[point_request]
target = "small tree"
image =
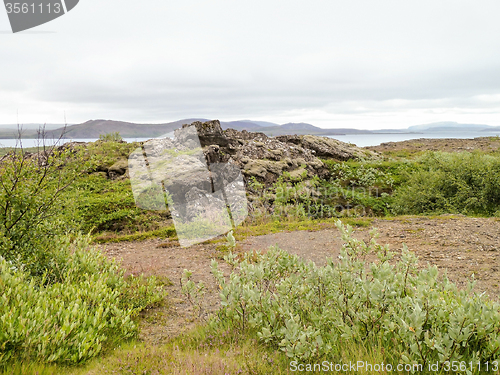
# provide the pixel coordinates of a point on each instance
(31, 210)
(111, 137)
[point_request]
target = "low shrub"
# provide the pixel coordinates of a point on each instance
(77, 308)
(312, 312)
(111, 137)
(465, 183)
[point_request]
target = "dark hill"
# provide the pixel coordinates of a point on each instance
(94, 128)
(300, 126)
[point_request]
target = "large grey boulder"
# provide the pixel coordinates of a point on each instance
(328, 148)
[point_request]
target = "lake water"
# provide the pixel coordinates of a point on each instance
(363, 140)
(360, 140)
(34, 142)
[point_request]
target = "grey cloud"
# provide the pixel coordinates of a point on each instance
(255, 59)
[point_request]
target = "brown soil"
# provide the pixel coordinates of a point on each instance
(460, 245)
(486, 144)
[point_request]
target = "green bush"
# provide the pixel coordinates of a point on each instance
(87, 306)
(356, 188)
(31, 208)
(60, 302)
(111, 137)
(363, 174)
(306, 311)
(463, 182)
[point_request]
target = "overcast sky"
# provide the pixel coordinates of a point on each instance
(359, 63)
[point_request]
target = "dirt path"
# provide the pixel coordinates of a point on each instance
(463, 246)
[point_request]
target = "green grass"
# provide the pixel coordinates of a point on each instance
(167, 232)
(98, 205)
(199, 351)
(402, 154)
(205, 351)
(275, 226)
(35, 368)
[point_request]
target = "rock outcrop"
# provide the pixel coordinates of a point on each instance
(259, 156)
(327, 148)
(266, 158)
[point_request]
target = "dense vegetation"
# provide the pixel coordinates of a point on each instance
(63, 302)
(431, 183)
(60, 300)
(71, 319)
(306, 311)
(465, 183)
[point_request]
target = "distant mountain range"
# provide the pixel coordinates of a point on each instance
(453, 127)
(94, 128)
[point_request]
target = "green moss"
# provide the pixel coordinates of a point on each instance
(298, 174)
(168, 232)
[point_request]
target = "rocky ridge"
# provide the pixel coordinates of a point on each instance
(262, 157)
(266, 158)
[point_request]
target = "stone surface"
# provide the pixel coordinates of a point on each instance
(266, 158)
(328, 148)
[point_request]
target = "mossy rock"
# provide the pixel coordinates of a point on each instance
(298, 174)
(260, 168)
(120, 167)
